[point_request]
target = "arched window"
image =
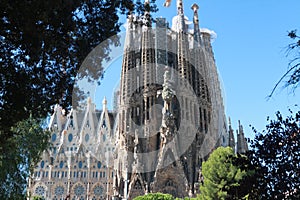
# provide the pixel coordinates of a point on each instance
(70, 137)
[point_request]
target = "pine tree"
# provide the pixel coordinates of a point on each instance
(222, 177)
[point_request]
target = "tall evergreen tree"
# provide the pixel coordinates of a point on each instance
(223, 176)
(155, 196)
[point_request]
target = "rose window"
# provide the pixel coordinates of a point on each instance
(40, 190)
(59, 190)
(98, 190)
(79, 190)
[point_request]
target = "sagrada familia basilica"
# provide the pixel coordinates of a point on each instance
(170, 116)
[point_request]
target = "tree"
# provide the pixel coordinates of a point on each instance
(42, 46)
(155, 196)
(25, 149)
(293, 72)
(277, 151)
(223, 175)
(38, 198)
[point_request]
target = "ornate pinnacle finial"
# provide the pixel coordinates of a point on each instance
(147, 17)
(89, 100)
(229, 121)
(195, 7)
(179, 7)
(241, 127)
(167, 3)
(104, 101)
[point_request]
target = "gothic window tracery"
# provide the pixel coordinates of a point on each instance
(169, 183)
(79, 190)
(80, 164)
(87, 137)
(70, 137)
(61, 164)
(59, 190)
(53, 138)
(98, 190)
(137, 185)
(99, 164)
(42, 164)
(40, 190)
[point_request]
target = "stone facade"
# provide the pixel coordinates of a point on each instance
(171, 113)
(78, 163)
(169, 116)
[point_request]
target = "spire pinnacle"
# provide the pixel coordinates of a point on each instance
(197, 34)
(104, 101)
(147, 17)
(195, 7)
(167, 3)
(179, 7)
(104, 104)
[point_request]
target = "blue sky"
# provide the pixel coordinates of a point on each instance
(250, 53)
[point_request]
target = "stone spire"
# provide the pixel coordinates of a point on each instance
(104, 103)
(180, 15)
(148, 63)
(241, 145)
(197, 34)
(231, 140)
(147, 17)
(183, 44)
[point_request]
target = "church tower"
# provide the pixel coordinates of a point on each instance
(170, 113)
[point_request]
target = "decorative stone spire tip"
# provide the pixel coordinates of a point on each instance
(195, 7)
(104, 101)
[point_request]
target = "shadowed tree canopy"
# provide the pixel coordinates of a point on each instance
(276, 153)
(25, 148)
(42, 46)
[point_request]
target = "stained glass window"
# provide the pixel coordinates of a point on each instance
(87, 137)
(40, 190)
(53, 137)
(61, 164)
(42, 164)
(98, 190)
(70, 137)
(59, 190)
(79, 190)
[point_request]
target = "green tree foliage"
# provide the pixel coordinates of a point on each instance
(155, 196)
(223, 175)
(42, 46)
(276, 153)
(24, 151)
(38, 198)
